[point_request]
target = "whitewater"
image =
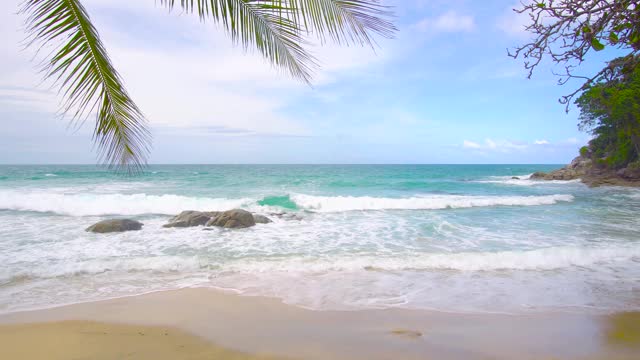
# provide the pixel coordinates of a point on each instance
(464, 238)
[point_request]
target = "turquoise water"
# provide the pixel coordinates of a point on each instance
(447, 237)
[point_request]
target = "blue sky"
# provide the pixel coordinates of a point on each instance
(443, 91)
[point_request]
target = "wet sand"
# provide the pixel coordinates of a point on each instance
(213, 324)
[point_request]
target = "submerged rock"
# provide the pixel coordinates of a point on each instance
(115, 225)
(191, 218)
(233, 219)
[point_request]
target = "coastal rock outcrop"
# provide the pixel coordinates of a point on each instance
(115, 225)
(191, 218)
(577, 169)
(629, 173)
(233, 219)
(593, 174)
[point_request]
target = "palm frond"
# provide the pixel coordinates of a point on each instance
(87, 81)
(263, 24)
(350, 22)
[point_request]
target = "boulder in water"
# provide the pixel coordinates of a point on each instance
(191, 218)
(115, 225)
(261, 219)
(233, 219)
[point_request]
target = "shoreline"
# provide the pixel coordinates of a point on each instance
(260, 325)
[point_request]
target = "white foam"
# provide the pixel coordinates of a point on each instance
(525, 180)
(50, 175)
(541, 259)
(105, 204)
(351, 203)
(86, 204)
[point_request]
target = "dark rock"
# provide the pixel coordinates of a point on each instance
(191, 218)
(233, 219)
(515, 178)
(261, 219)
(593, 173)
(538, 175)
(115, 225)
(629, 173)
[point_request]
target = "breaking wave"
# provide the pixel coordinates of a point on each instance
(433, 202)
(139, 204)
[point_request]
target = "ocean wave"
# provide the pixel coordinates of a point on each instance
(112, 204)
(433, 202)
(524, 180)
(160, 264)
(139, 204)
(554, 258)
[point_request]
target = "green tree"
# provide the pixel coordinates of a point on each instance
(610, 110)
(89, 84)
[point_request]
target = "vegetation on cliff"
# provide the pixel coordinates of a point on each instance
(610, 111)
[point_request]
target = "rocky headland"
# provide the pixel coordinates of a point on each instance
(593, 173)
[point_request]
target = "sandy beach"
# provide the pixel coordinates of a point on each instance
(205, 324)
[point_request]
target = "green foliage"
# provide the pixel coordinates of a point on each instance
(610, 110)
(584, 151)
(634, 165)
(88, 81)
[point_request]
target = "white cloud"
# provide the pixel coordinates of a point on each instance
(541, 142)
(450, 21)
(504, 146)
(514, 24)
(470, 145)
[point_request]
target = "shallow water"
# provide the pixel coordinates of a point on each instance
(446, 237)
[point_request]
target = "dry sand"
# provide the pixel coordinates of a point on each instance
(239, 325)
(93, 340)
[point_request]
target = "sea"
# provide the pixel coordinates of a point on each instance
(453, 238)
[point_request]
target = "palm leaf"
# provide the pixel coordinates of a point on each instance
(276, 27)
(88, 82)
(263, 24)
(350, 22)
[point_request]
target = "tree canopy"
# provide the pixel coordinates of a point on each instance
(90, 85)
(610, 110)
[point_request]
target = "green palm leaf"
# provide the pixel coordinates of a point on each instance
(88, 81)
(277, 27)
(263, 24)
(350, 22)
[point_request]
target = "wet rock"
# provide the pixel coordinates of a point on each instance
(115, 225)
(191, 218)
(261, 219)
(233, 219)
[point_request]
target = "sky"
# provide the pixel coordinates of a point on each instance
(443, 90)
